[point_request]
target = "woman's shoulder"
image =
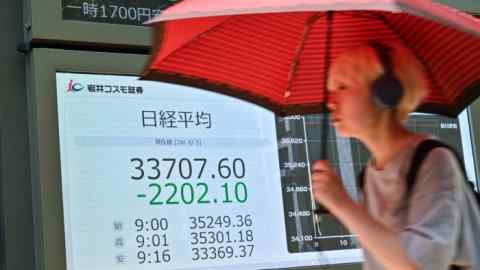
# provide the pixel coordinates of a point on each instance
(440, 155)
(440, 170)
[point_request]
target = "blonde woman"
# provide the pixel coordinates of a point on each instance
(425, 230)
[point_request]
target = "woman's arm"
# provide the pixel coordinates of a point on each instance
(380, 241)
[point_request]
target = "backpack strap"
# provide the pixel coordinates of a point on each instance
(419, 156)
(361, 179)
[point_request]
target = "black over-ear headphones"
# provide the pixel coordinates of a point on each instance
(387, 90)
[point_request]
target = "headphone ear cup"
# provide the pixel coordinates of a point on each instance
(387, 92)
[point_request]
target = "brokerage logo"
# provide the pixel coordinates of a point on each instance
(108, 89)
(74, 87)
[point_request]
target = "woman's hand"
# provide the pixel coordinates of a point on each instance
(328, 188)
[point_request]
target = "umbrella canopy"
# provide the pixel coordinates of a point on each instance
(276, 53)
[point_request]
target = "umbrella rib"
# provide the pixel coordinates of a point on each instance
(365, 15)
(326, 116)
(294, 66)
(428, 72)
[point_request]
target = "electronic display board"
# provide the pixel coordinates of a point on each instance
(106, 23)
(131, 174)
(300, 145)
(161, 175)
(113, 11)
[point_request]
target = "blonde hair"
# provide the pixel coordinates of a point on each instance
(362, 63)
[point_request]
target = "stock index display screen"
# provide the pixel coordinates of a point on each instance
(300, 145)
(161, 176)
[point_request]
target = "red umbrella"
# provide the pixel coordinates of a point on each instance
(276, 53)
